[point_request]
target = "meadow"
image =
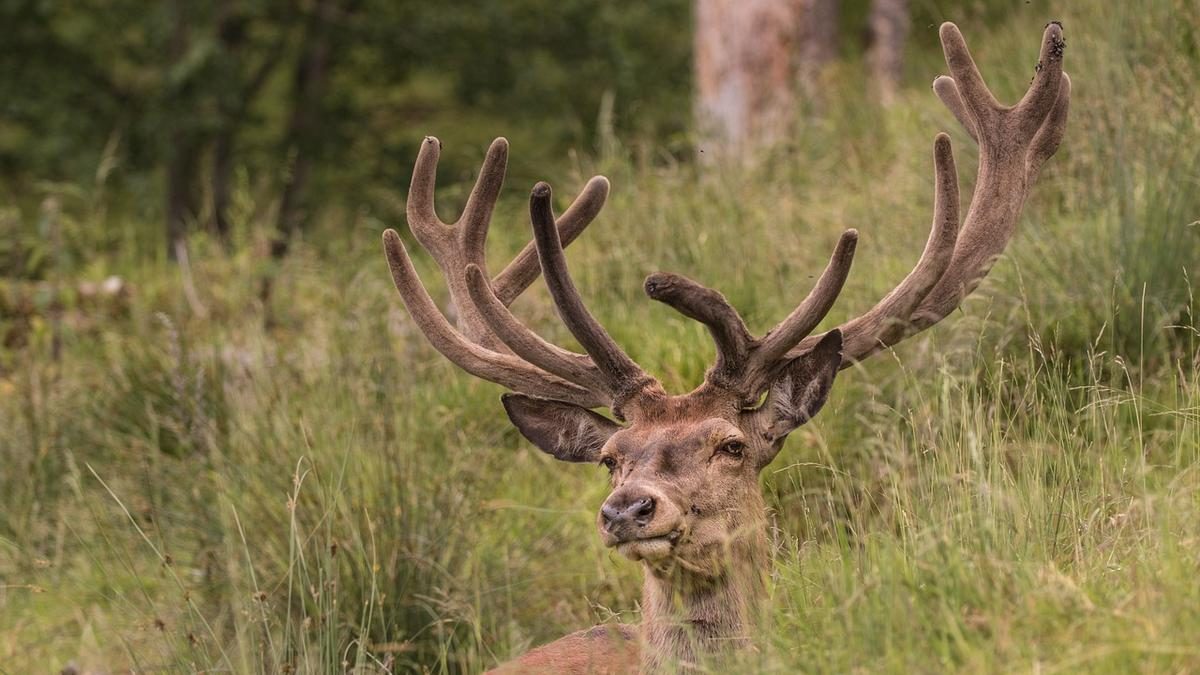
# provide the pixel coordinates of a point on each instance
(198, 476)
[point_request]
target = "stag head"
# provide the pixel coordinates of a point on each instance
(684, 468)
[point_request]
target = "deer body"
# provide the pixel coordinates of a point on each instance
(602, 650)
(686, 502)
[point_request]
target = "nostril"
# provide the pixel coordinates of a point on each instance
(616, 517)
(609, 514)
(643, 510)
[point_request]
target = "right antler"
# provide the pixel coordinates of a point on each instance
(607, 369)
(459, 247)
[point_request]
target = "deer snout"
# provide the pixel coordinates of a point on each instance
(639, 512)
(636, 514)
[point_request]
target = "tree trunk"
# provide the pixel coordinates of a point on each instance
(750, 56)
(301, 139)
(222, 184)
(234, 103)
(181, 207)
(888, 27)
(819, 44)
(182, 160)
(231, 35)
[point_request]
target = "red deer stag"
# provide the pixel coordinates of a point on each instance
(685, 498)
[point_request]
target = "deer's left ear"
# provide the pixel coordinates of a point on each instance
(800, 390)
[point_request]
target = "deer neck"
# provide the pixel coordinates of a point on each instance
(689, 616)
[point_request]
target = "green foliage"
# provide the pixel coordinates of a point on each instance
(170, 79)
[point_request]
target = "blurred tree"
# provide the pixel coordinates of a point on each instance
(56, 88)
(170, 80)
(181, 94)
(556, 60)
(245, 62)
(310, 80)
(818, 42)
(183, 129)
(887, 30)
(753, 58)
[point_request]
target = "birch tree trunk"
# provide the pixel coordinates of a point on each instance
(888, 26)
(752, 60)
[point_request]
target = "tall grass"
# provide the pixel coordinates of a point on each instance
(306, 486)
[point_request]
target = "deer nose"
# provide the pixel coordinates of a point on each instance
(623, 513)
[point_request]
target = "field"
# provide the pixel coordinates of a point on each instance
(198, 476)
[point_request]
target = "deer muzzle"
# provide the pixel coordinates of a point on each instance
(640, 522)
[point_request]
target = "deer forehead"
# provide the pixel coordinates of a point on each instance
(650, 439)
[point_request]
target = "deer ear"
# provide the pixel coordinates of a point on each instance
(566, 431)
(801, 389)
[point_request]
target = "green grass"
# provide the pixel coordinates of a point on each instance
(216, 483)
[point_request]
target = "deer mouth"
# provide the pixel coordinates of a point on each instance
(650, 548)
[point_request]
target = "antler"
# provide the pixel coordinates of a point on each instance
(607, 369)
(745, 364)
(1014, 142)
(460, 248)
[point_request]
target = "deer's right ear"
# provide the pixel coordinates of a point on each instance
(566, 431)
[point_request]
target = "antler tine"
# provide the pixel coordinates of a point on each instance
(1012, 149)
(1038, 102)
(472, 225)
(1041, 101)
(887, 323)
(745, 364)
(977, 99)
(787, 333)
(477, 213)
(696, 301)
(625, 378)
(478, 345)
(464, 243)
(503, 369)
(525, 268)
(455, 246)
(1050, 135)
(527, 344)
(947, 91)
(422, 217)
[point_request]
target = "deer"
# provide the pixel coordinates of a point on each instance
(686, 502)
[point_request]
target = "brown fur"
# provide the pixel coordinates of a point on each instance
(699, 596)
(601, 650)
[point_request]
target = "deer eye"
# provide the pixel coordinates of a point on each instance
(609, 463)
(733, 448)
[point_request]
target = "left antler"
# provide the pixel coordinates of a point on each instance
(1014, 142)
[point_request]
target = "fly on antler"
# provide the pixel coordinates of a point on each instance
(685, 468)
